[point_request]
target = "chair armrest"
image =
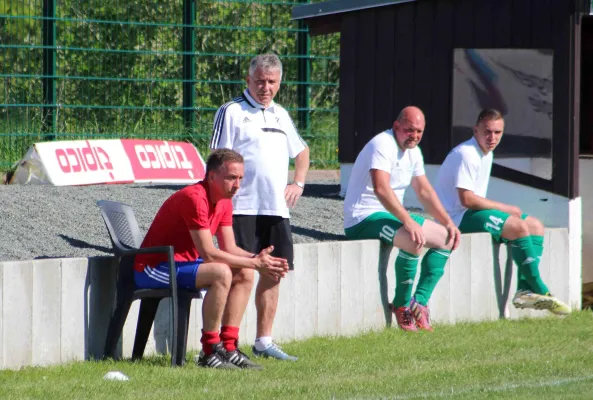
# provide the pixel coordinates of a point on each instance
(146, 250)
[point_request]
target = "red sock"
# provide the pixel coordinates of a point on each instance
(230, 337)
(208, 339)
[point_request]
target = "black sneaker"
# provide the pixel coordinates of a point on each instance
(241, 360)
(218, 358)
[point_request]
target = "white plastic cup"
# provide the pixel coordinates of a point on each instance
(115, 376)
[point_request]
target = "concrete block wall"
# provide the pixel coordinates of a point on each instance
(57, 310)
(50, 312)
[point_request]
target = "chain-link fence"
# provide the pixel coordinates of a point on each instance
(74, 69)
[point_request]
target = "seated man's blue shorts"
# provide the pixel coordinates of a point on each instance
(158, 277)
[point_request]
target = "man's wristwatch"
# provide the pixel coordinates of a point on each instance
(299, 184)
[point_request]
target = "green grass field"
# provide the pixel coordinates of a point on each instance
(527, 359)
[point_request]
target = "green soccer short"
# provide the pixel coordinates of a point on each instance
(380, 225)
(490, 221)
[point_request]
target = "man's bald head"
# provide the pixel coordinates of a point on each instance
(412, 114)
(409, 127)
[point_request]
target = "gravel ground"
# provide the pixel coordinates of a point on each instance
(48, 221)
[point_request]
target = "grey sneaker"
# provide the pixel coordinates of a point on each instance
(218, 358)
(273, 351)
(241, 360)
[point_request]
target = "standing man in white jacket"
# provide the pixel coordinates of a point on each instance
(264, 134)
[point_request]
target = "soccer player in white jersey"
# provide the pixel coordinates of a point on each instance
(462, 183)
(373, 209)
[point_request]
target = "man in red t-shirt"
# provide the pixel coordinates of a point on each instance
(187, 221)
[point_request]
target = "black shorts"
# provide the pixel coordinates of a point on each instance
(256, 232)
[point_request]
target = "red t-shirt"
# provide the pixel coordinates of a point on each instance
(188, 209)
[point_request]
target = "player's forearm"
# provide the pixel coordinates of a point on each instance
(301, 165)
(434, 207)
(237, 251)
(475, 202)
(232, 260)
(392, 204)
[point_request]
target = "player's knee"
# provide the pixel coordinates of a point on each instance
(535, 226)
(267, 283)
(223, 275)
(409, 248)
(517, 227)
(445, 242)
(244, 277)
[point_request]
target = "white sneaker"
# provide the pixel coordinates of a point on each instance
(528, 299)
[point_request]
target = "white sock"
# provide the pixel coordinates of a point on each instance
(262, 343)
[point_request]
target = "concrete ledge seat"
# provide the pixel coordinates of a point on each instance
(57, 310)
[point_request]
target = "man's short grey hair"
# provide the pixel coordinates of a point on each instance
(265, 62)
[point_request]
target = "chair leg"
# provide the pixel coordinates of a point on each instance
(182, 328)
(116, 326)
(148, 308)
(175, 334)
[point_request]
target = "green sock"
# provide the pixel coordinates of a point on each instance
(525, 257)
(538, 247)
(522, 283)
(432, 269)
(406, 265)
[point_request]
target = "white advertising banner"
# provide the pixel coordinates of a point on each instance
(88, 162)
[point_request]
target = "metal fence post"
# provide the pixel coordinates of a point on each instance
(49, 69)
(304, 73)
(189, 16)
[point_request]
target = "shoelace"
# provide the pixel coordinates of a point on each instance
(407, 317)
(221, 353)
(276, 347)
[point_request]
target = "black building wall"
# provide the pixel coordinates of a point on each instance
(400, 55)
